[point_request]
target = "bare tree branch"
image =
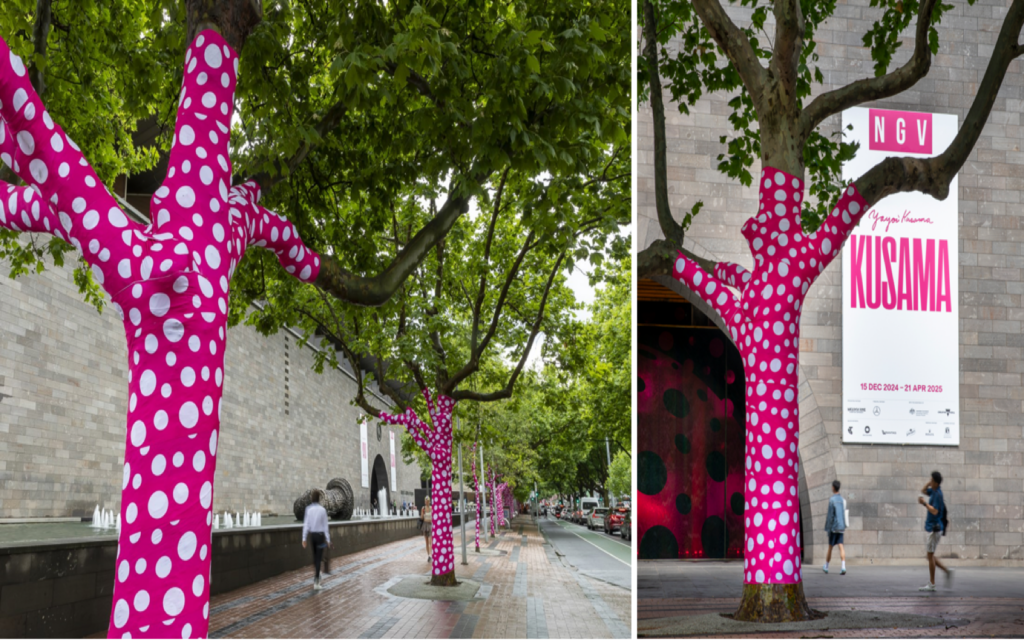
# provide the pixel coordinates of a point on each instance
(789, 44)
(506, 392)
(933, 175)
(672, 230)
(659, 259)
(487, 261)
(885, 86)
(40, 33)
(417, 82)
(473, 364)
(284, 168)
(376, 290)
(735, 44)
(232, 19)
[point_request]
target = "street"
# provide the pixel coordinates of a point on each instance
(593, 553)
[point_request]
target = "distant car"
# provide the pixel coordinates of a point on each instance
(613, 519)
(626, 528)
(595, 518)
(577, 516)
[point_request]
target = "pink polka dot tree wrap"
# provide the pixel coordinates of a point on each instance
(436, 442)
(764, 322)
(169, 281)
(476, 489)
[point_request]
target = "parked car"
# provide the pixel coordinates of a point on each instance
(626, 528)
(613, 519)
(595, 517)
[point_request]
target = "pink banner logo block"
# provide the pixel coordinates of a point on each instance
(900, 131)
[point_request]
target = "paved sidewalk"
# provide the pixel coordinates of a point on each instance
(980, 602)
(526, 592)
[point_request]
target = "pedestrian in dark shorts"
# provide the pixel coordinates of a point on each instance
(835, 525)
(934, 524)
(314, 527)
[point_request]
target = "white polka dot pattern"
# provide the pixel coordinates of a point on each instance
(765, 325)
(169, 281)
(437, 443)
(476, 488)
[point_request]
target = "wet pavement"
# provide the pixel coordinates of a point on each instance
(526, 591)
(979, 602)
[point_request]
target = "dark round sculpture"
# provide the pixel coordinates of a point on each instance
(337, 500)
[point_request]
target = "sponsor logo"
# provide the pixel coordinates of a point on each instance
(929, 433)
(948, 434)
(877, 411)
(919, 412)
(849, 430)
(910, 432)
(888, 433)
(947, 412)
(856, 410)
(867, 429)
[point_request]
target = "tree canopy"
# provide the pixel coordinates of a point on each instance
(347, 112)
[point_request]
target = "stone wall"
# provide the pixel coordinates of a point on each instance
(984, 484)
(63, 387)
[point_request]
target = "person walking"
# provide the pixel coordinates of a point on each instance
(835, 525)
(425, 523)
(935, 525)
(318, 534)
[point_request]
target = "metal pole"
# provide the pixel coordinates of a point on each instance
(462, 506)
(483, 491)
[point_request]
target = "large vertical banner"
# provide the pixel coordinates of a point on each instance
(394, 467)
(364, 453)
(901, 343)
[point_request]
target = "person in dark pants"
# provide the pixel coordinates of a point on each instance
(835, 525)
(315, 529)
(935, 525)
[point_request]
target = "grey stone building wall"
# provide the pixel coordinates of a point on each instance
(984, 476)
(63, 388)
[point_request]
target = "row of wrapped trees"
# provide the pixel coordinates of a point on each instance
(370, 132)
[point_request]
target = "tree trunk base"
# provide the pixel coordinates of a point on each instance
(775, 603)
(444, 580)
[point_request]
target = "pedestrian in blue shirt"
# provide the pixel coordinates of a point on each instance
(835, 525)
(934, 524)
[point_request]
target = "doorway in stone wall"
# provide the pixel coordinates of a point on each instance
(379, 487)
(690, 431)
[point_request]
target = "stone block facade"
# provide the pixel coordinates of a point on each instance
(984, 475)
(63, 401)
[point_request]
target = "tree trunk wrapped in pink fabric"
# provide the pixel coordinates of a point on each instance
(169, 282)
(476, 488)
(764, 322)
(499, 504)
(436, 442)
(494, 500)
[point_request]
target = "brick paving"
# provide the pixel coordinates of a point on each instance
(966, 617)
(526, 592)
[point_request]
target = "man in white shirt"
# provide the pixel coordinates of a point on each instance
(314, 526)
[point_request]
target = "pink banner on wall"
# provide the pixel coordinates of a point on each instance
(899, 131)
